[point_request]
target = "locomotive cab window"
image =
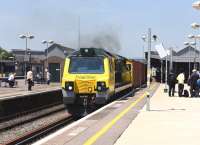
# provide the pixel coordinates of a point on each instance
(128, 66)
(86, 65)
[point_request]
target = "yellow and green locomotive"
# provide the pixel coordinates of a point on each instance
(92, 76)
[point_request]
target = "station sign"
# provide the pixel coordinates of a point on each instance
(162, 52)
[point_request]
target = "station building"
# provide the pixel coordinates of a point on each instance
(185, 60)
(52, 58)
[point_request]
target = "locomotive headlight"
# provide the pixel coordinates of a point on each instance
(101, 86)
(69, 86)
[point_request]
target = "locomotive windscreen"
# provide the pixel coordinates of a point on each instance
(83, 65)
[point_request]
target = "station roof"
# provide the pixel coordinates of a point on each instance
(41, 55)
(59, 46)
(22, 52)
(187, 54)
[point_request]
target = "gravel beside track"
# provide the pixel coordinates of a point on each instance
(24, 118)
(27, 128)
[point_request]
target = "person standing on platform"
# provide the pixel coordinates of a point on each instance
(193, 83)
(11, 80)
(181, 79)
(30, 79)
(171, 83)
(48, 77)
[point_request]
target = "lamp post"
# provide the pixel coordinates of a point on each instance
(26, 37)
(47, 45)
(189, 44)
(29, 53)
(13, 61)
(195, 47)
(166, 69)
(149, 40)
(196, 5)
(198, 37)
(171, 59)
(2, 54)
(16, 66)
(195, 55)
(195, 25)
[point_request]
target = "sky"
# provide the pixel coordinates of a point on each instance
(124, 21)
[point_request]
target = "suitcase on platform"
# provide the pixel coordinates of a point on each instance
(185, 93)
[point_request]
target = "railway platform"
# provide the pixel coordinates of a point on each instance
(21, 90)
(170, 121)
(17, 100)
(103, 126)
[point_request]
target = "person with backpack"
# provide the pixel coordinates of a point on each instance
(198, 84)
(192, 82)
(171, 83)
(181, 79)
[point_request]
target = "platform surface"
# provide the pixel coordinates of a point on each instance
(171, 121)
(104, 126)
(21, 89)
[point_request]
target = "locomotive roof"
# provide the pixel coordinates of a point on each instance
(98, 52)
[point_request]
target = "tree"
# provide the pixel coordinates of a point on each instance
(5, 54)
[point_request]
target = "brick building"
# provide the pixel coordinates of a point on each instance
(52, 58)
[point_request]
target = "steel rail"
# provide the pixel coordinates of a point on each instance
(40, 132)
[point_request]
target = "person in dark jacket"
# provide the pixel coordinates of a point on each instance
(193, 83)
(171, 83)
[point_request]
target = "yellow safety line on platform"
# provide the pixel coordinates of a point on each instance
(93, 139)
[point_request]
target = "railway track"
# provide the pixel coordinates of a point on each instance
(24, 118)
(26, 112)
(39, 132)
(26, 128)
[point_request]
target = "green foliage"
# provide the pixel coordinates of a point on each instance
(5, 54)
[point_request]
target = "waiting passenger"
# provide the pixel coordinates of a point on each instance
(30, 80)
(181, 79)
(48, 77)
(192, 82)
(11, 80)
(171, 83)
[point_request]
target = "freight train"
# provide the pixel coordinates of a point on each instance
(92, 76)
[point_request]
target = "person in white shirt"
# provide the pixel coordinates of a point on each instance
(30, 79)
(11, 80)
(48, 77)
(181, 79)
(11, 77)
